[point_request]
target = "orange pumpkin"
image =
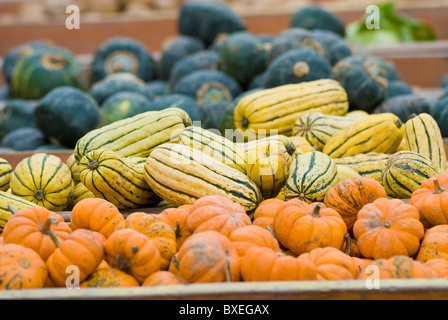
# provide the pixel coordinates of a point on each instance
(97, 215)
(265, 264)
(176, 218)
(331, 264)
(439, 267)
(397, 267)
(162, 278)
(266, 211)
(31, 228)
(21, 268)
(132, 252)
(154, 227)
(207, 256)
(107, 277)
(247, 237)
(216, 213)
(361, 264)
(83, 249)
(431, 200)
(302, 227)
(349, 196)
(434, 244)
(386, 228)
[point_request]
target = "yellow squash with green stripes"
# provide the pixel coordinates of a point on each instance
(180, 174)
(216, 146)
(405, 172)
(135, 136)
(18, 203)
(379, 133)
(345, 173)
(268, 168)
(5, 174)
(73, 166)
(116, 179)
(310, 177)
(422, 135)
(317, 128)
(81, 192)
(44, 180)
(368, 165)
(274, 111)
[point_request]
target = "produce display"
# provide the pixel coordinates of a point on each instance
(286, 158)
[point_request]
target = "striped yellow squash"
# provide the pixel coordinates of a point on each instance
(44, 180)
(116, 179)
(423, 136)
(73, 166)
(5, 174)
(310, 176)
(317, 128)
(268, 168)
(345, 173)
(274, 111)
(81, 192)
(18, 203)
(216, 146)
(180, 174)
(368, 165)
(405, 172)
(135, 136)
(379, 133)
(357, 114)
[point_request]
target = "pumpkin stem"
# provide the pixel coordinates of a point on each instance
(348, 242)
(412, 116)
(244, 123)
(228, 271)
(45, 228)
(272, 232)
(291, 148)
(315, 213)
(177, 230)
(39, 194)
(93, 164)
(437, 188)
(398, 123)
(12, 209)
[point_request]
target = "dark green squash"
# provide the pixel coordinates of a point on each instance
(158, 88)
(24, 139)
(397, 88)
(19, 52)
(313, 17)
(404, 106)
(258, 81)
(207, 19)
(440, 113)
(118, 82)
(123, 54)
(296, 38)
(214, 113)
(66, 114)
(445, 81)
(184, 102)
(243, 56)
(16, 114)
(338, 47)
(206, 59)
(295, 66)
(37, 74)
(49, 147)
(5, 93)
(208, 86)
(123, 105)
(176, 49)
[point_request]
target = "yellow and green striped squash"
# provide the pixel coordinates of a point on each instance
(368, 165)
(5, 174)
(18, 203)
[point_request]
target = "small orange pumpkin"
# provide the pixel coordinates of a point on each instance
(207, 256)
(95, 214)
(302, 227)
(21, 268)
(107, 277)
(431, 200)
(154, 227)
(331, 264)
(266, 211)
(31, 228)
(176, 218)
(247, 237)
(434, 244)
(265, 264)
(386, 228)
(83, 249)
(132, 252)
(397, 267)
(162, 278)
(439, 267)
(349, 196)
(216, 213)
